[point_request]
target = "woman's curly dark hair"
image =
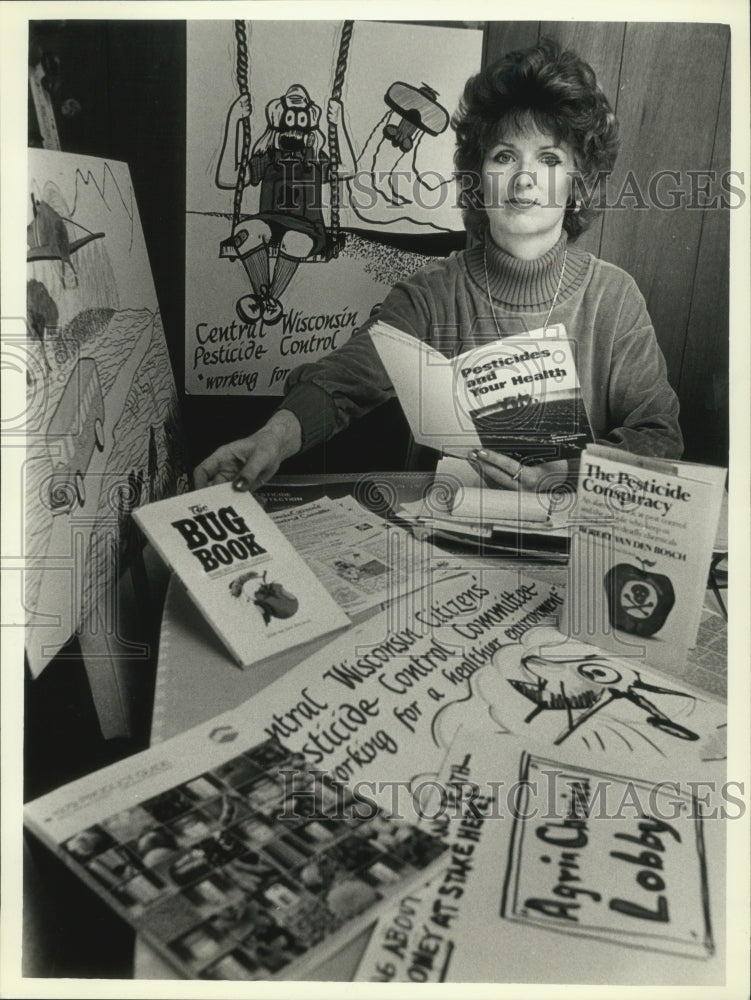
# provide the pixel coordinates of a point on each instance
(559, 92)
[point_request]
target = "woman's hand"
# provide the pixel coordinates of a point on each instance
(501, 472)
(253, 460)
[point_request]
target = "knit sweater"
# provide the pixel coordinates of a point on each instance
(621, 369)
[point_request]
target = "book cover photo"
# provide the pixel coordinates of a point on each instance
(643, 536)
(519, 396)
(252, 586)
(253, 866)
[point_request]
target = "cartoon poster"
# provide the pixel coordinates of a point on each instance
(103, 432)
(310, 144)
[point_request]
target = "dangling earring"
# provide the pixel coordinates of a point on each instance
(573, 205)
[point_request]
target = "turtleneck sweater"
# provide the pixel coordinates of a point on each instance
(621, 369)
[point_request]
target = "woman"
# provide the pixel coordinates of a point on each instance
(534, 135)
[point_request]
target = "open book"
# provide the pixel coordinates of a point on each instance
(519, 396)
(458, 504)
(251, 585)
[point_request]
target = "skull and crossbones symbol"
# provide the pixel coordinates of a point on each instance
(638, 599)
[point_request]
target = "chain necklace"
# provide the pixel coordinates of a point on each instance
(490, 297)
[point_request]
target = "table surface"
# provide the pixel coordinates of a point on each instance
(190, 653)
(197, 679)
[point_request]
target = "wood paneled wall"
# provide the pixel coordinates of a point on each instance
(669, 87)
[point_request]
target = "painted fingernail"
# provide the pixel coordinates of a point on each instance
(240, 483)
(481, 454)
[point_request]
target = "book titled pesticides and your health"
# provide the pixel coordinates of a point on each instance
(519, 396)
(254, 589)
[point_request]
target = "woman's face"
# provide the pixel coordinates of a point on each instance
(526, 186)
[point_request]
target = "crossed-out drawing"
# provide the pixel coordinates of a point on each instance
(587, 684)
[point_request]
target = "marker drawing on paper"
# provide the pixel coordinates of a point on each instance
(108, 432)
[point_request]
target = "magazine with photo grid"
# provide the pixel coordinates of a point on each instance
(255, 868)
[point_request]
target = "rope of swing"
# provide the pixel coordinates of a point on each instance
(334, 151)
(241, 36)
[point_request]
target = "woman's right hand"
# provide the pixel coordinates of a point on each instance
(251, 461)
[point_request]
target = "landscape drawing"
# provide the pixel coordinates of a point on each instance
(108, 436)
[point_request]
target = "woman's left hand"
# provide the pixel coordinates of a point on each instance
(501, 472)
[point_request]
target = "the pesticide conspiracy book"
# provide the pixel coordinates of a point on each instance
(640, 553)
(519, 396)
(254, 589)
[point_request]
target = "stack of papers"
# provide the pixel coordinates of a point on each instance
(458, 503)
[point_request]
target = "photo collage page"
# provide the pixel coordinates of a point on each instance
(241, 871)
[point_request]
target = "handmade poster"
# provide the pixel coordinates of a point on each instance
(414, 941)
(303, 138)
(360, 711)
(553, 692)
(560, 872)
(103, 433)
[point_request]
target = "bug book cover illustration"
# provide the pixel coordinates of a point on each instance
(239, 569)
(643, 536)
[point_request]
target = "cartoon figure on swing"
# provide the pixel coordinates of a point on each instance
(291, 166)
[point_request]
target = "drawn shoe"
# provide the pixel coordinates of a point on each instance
(271, 308)
(228, 249)
(249, 308)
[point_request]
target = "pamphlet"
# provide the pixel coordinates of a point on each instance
(361, 559)
(519, 396)
(256, 591)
